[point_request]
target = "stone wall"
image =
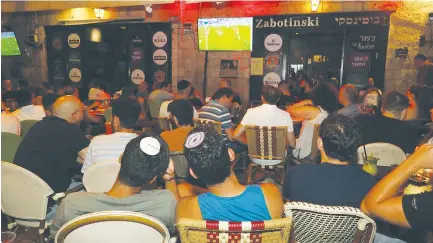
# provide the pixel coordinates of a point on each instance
(408, 23)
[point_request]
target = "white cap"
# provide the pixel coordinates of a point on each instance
(150, 146)
(194, 140)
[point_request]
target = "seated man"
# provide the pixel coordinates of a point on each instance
(181, 113)
(183, 93)
(227, 199)
(286, 97)
(411, 211)
(334, 182)
(109, 147)
(158, 96)
(218, 110)
(10, 124)
(26, 110)
(390, 127)
(226, 83)
(347, 97)
(48, 101)
(268, 114)
(52, 146)
(145, 158)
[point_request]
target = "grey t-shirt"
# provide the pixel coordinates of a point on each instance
(351, 110)
(160, 204)
(155, 101)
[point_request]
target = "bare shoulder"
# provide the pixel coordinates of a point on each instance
(273, 198)
(188, 207)
(269, 188)
(271, 192)
(187, 201)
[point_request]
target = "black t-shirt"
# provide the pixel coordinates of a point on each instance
(285, 100)
(328, 184)
(50, 149)
(387, 130)
(237, 98)
(418, 210)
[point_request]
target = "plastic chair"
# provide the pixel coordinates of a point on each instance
(267, 149)
(24, 197)
(208, 123)
(388, 154)
(165, 123)
(100, 177)
(9, 147)
(113, 227)
(323, 224)
(204, 231)
(26, 125)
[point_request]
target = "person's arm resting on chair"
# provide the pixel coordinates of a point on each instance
(382, 202)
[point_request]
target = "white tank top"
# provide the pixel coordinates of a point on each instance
(305, 140)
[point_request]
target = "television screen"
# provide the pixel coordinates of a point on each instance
(225, 34)
(9, 44)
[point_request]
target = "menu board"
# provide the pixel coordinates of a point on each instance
(358, 54)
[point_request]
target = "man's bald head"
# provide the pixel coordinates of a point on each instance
(69, 108)
(348, 94)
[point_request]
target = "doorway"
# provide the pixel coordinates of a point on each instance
(314, 55)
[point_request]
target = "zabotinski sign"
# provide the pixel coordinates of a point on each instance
(287, 22)
(322, 21)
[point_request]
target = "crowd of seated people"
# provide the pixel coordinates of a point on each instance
(322, 102)
(56, 149)
(268, 114)
(125, 113)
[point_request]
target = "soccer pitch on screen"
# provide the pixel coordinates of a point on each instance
(225, 34)
(9, 44)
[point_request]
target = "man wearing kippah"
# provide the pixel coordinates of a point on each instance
(144, 160)
(210, 159)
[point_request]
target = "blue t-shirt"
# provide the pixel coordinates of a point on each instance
(248, 206)
(328, 184)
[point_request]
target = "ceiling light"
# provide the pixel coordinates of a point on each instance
(99, 13)
(148, 8)
(315, 5)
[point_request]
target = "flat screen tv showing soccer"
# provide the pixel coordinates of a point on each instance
(10, 45)
(225, 34)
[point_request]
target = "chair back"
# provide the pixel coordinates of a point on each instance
(26, 125)
(266, 144)
(9, 147)
(388, 154)
(113, 227)
(181, 167)
(317, 223)
(100, 177)
(165, 123)
(204, 231)
(208, 123)
(24, 195)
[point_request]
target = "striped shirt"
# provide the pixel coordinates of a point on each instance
(106, 147)
(215, 112)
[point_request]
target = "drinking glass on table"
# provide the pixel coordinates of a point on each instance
(8, 237)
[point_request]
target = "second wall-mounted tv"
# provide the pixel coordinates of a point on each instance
(9, 44)
(225, 34)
